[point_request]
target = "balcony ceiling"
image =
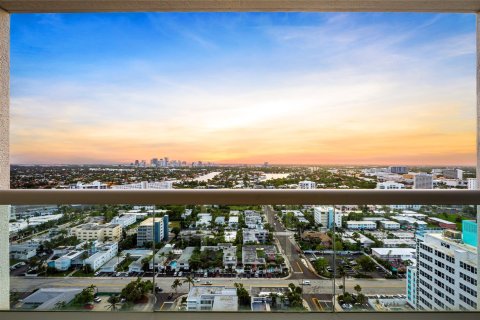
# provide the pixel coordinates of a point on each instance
(57, 6)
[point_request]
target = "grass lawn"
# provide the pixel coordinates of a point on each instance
(173, 224)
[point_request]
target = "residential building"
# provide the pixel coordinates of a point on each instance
(443, 223)
(390, 185)
(124, 220)
(68, 260)
(160, 258)
(95, 185)
(453, 173)
(255, 236)
(104, 252)
(327, 216)
(423, 181)
(145, 185)
(204, 220)
(389, 225)
(253, 219)
(361, 225)
(306, 185)
(254, 255)
(95, 231)
(446, 270)
(229, 253)
(472, 183)
(233, 222)
(23, 251)
(153, 230)
(410, 222)
(183, 261)
(212, 298)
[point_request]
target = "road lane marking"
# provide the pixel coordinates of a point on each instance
(298, 264)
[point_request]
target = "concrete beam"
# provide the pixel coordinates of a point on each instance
(4, 155)
(43, 6)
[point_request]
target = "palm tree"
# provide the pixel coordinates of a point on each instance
(113, 302)
(177, 283)
(93, 288)
(190, 281)
(84, 257)
(357, 288)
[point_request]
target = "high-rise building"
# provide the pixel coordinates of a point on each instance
(452, 173)
(398, 169)
(153, 230)
(423, 181)
(445, 275)
(326, 216)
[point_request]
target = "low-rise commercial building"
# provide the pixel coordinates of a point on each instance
(394, 254)
(389, 225)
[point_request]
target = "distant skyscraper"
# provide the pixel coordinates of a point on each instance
(423, 181)
(398, 169)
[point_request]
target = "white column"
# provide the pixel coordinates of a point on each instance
(4, 155)
(478, 159)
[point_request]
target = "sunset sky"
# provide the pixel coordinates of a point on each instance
(292, 88)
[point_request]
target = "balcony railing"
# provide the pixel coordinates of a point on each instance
(237, 197)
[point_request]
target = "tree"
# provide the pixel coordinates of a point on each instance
(357, 288)
(243, 296)
(321, 265)
(366, 263)
(176, 231)
(84, 257)
(190, 281)
(93, 288)
(113, 302)
(177, 283)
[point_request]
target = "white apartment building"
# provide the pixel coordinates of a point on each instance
(95, 231)
(472, 183)
(105, 252)
(390, 185)
(389, 225)
(327, 216)
(212, 298)
(445, 277)
(124, 220)
(96, 185)
(361, 225)
(423, 181)
(307, 185)
(145, 185)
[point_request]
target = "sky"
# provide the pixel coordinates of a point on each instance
(287, 88)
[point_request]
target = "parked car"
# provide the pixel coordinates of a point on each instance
(97, 300)
(306, 282)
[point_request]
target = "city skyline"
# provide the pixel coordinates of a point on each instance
(228, 88)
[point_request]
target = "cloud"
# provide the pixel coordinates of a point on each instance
(332, 90)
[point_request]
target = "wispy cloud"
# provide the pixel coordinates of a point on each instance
(289, 88)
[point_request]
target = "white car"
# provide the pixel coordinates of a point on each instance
(306, 282)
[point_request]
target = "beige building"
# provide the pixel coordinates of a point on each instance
(94, 231)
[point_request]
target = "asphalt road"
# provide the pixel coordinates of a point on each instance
(289, 248)
(318, 286)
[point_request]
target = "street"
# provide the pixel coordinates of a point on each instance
(318, 286)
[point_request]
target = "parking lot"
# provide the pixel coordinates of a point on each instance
(349, 265)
